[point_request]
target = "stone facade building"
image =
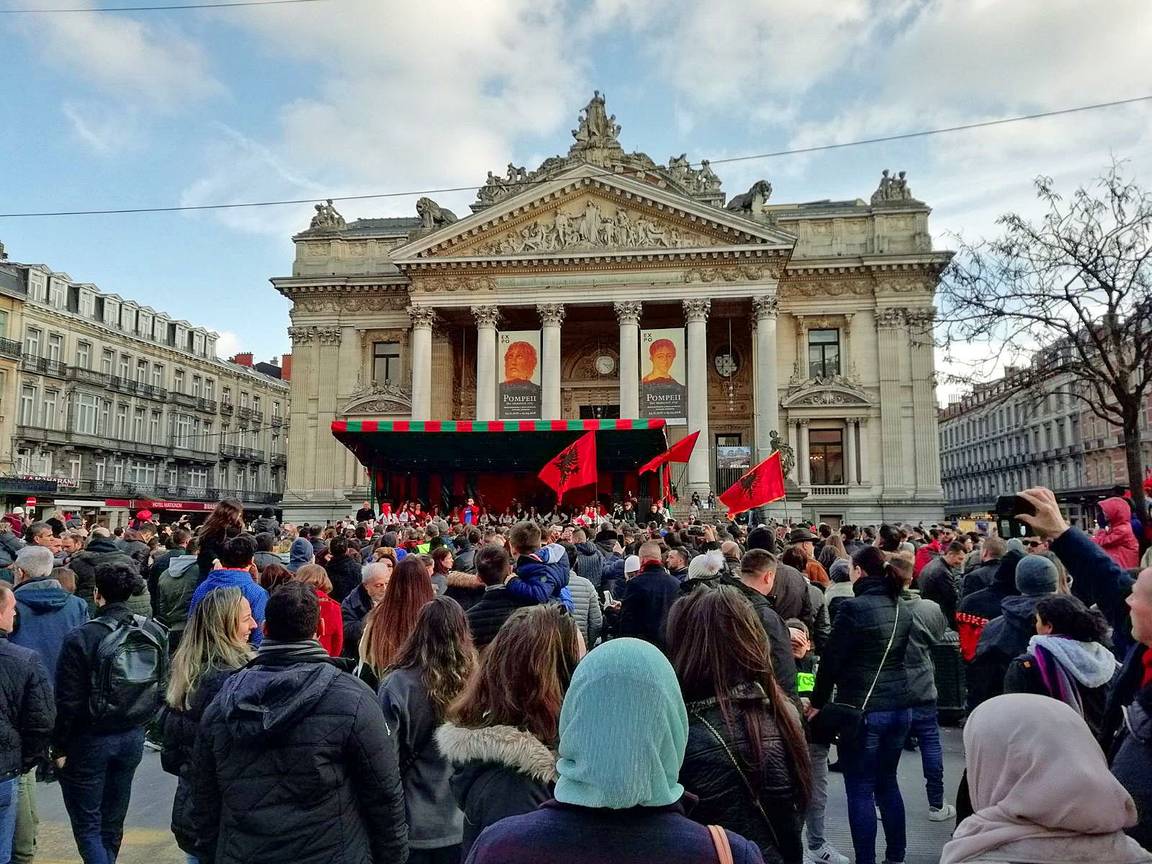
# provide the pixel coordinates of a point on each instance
(807, 324)
(116, 406)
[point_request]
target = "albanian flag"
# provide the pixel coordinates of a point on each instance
(573, 467)
(761, 485)
(681, 451)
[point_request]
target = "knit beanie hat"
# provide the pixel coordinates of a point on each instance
(1014, 545)
(1035, 576)
(623, 730)
(706, 566)
(841, 570)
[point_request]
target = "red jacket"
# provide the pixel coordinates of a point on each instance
(1117, 539)
(924, 555)
(331, 631)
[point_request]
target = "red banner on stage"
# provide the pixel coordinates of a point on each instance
(573, 467)
(681, 451)
(761, 485)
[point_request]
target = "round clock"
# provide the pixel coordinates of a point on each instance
(605, 364)
(726, 361)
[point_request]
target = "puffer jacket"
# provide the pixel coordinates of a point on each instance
(1130, 760)
(178, 733)
(589, 563)
(929, 628)
(353, 611)
(790, 596)
(498, 771)
(1003, 640)
(709, 774)
(860, 633)
(344, 571)
(1117, 539)
(779, 639)
(294, 762)
(490, 612)
(100, 550)
(26, 709)
(45, 614)
(589, 617)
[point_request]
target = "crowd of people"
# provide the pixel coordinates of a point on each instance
(575, 687)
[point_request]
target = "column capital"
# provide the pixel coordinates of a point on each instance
(628, 312)
(696, 310)
(486, 316)
(890, 319)
(551, 314)
(765, 306)
(803, 421)
(422, 317)
(301, 335)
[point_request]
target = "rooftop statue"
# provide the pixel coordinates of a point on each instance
(327, 217)
(892, 188)
(596, 128)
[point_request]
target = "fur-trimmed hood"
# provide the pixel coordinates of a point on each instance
(503, 745)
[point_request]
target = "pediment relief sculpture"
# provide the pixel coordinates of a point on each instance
(378, 399)
(836, 390)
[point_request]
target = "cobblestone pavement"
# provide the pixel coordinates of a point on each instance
(147, 839)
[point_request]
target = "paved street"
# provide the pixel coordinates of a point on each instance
(148, 840)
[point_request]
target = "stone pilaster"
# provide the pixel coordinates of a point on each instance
(551, 319)
(766, 374)
(422, 320)
(486, 318)
(924, 414)
(893, 337)
(628, 316)
(696, 316)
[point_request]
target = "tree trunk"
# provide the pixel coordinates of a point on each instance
(1135, 462)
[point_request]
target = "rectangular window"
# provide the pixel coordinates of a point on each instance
(118, 472)
(178, 381)
(196, 384)
(56, 293)
(122, 369)
(86, 413)
(141, 371)
(210, 388)
(138, 425)
(243, 399)
(55, 346)
(275, 409)
(101, 469)
(107, 361)
(386, 362)
(51, 404)
(83, 354)
(158, 375)
(184, 430)
(32, 342)
(74, 465)
(3, 324)
(154, 428)
(226, 395)
(198, 478)
(173, 477)
(121, 422)
(27, 405)
(826, 457)
(823, 353)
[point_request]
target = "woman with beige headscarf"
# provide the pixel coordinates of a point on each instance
(1041, 790)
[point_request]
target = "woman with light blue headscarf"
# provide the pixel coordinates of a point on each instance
(623, 731)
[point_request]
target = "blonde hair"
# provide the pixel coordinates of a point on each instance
(208, 643)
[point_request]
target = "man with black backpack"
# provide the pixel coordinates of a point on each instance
(110, 681)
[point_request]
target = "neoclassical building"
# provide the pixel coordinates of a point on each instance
(604, 285)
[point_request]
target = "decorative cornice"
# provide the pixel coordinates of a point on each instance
(338, 302)
(455, 284)
(765, 307)
(423, 317)
(551, 314)
(486, 316)
(696, 309)
(628, 311)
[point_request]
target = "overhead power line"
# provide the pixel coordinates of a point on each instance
(170, 8)
(902, 136)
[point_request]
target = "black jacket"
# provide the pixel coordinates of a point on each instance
(178, 733)
(860, 633)
(709, 774)
(1004, 639)
(26, 709)
(986, 603)
(779, 640)
(939, 584)
(100, 550)
(980, 577)
(294, 763)
(644, 605)
(354, 609)
(346, 575)
(498, 771)
(138, 551)
(488, 615)
(790, 597)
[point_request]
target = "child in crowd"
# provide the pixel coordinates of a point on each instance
(541, 575)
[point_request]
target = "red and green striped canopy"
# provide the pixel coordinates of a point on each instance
(359, 426)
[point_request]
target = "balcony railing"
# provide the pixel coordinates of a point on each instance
(11, 348)
(277, 420)
(43, 365)
(251, 454)
(279, 459)
(226, 407)
(829, 491)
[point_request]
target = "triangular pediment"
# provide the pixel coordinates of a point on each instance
(588, 210)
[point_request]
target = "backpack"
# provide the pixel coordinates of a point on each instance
(130, 673)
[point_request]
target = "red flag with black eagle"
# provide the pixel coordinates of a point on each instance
(573, 467)
(681, 451)
(761, 485)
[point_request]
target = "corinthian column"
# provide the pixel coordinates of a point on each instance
(766, 374)
(422, 320)
(628, 316)
(486, 317)
(696, 314)
(551, 317)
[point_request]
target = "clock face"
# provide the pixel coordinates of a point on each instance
(726, 361)
(605, 364)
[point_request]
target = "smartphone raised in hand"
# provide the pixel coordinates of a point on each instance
(1008, 510)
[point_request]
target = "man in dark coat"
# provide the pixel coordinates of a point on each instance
(984, 574)
(294, 761)
(357, 605)
(466, 546)
(487, 616)
(180, 538)
(939, 578)
(101, 549)
(343, 569)
(647, 598)
(589, 561)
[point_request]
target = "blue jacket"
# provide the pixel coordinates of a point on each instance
(256, 596)
(540, 580)
(45, 613)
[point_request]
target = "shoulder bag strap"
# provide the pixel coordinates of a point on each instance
(743, 778)
(720, 844)
(883, 659)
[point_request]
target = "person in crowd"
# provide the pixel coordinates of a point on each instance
(981, 576)
(501, 731)
(676, 563)
(266, 523)
(27, 716)
(466, 543)
(648, 597)
(216, 644)
(264, 556)
(135, 544)
(429, 673)
(101, 549)
(236, 570)
(330, 633)
(374, 579)
(540, 575)
(746, 759)
(833, 550)
(932, 549)
(390, 623)
(804, 542)
(1068, 659)
(174, 589)
(301, 552)
(177, 548)
(494, 567)
(292, 722)
(839, 587)
(980, 607)
(618, 797)
(590, 558)
(40, 534)
(1116, 537)
(1040, 790)
(222, 524)
(16, 520)
(105, 695)
(46, 612)
(940, 581)
(343, 569)
(273, 576)
(586, 608)
(704, 570)
(929, 629)
(864, 662)
(1006, 637)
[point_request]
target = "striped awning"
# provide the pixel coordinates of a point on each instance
(362, 426)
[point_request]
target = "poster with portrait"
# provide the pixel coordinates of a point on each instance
(663, 376)
(519, 374)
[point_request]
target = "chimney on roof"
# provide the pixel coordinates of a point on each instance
(285, 367)
(243, 359)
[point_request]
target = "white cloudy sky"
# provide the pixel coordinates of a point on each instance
(366, 96)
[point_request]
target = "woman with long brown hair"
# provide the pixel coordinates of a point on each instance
(392, 621)
(223, 523)
(331, 631)
(503, 728)
(432, 668)
(746, 760)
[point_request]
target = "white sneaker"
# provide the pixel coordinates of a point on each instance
(942, 814)
(825, 855)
